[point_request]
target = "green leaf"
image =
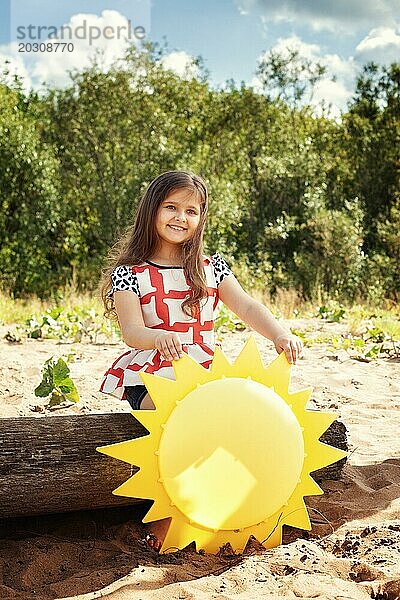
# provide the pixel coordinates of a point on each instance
(66, 385)
(43, 389)
(60, 372)
(359, 343)
(373, 352)
(73, 395)
(35, 334)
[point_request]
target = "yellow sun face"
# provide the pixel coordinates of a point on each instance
(229, 454)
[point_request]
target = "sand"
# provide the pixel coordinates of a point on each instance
(352, 551)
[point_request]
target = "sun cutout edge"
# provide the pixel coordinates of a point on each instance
(167, 395)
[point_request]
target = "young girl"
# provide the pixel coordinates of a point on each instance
(164, 291)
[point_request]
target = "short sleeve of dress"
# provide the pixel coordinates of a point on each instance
(123, 279)
(221, 269)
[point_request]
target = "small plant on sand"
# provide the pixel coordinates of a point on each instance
(356, 347)
(386, 330)
(227, 321)
(307, 341)
(377, 342)
(331, 312)
(56, 383)
(76, 325)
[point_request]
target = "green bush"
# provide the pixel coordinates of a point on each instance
(297, 201)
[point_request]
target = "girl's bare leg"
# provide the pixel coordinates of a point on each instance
(147, 403)
(157, 530)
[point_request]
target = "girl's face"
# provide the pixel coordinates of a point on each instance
(178, 217)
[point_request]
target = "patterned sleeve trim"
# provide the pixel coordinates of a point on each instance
(221, 269)
(123, 279)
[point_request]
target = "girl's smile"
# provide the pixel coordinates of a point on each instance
(177, 228)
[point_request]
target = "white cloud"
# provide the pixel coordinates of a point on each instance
(105, 35)
(181, 63)
(305, 49)
(330, 93)
(339, 15)
(381, 45)
(110, 38)
(52, 67)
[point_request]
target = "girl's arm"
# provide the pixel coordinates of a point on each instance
(258, 317)
(135, 333)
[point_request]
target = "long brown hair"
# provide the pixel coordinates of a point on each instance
(141, 239)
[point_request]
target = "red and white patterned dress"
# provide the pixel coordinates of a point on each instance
(161, 291)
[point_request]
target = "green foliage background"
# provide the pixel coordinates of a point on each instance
(297, 200)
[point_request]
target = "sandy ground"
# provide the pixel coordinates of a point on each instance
(352, 552)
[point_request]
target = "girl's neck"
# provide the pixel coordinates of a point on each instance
(166, 258)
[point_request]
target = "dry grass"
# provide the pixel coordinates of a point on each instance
(18, 310)
(286, 304)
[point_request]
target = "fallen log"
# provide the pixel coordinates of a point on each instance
(50, 464)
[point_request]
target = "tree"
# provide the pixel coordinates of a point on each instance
(289, 77)
(373, 128)
(30, 210)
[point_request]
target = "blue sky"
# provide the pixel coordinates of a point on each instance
(230, 42)
(230, 35)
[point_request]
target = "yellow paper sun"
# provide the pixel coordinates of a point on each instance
(229, 454)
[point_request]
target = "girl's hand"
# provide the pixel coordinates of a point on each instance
(290, 344)
(169, 345)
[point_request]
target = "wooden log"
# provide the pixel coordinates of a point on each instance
(50, 465)
(335, 435)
